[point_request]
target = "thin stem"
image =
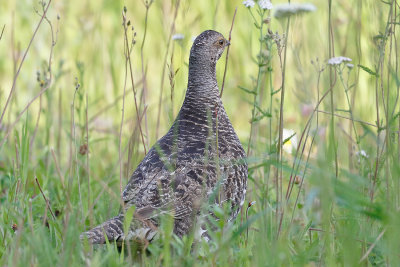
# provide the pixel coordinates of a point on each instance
(379, 69)
(132, 81)
(259, 73)
(344, 117)
(58, 168)
(227, 54)
(48, 80)
(144, 79)
(87, 157)
(45, 199)
(126, 50)
(2, 31)
(164, 66)
(36, 125)
(279, 209)
(22, 61)
(346, 89)
(332, 81)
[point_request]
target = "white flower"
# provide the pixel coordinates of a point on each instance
(290, 144)
(249, 3)
(265, 4)
(286, 10)
(362, 154)
(178, 36)
(338, 60)
(350, 66)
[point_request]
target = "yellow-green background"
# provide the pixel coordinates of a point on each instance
(90, 35)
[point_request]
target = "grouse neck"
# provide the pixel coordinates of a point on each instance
(202, 77)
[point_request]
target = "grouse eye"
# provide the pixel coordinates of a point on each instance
(221, 42)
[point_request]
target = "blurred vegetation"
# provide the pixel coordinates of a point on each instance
(323, 163)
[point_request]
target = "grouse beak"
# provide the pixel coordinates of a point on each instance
(228, 43)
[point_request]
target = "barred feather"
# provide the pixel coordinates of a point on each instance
(182, 170)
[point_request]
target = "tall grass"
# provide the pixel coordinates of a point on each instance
(81, 104)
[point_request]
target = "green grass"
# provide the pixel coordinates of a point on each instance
(333, 200)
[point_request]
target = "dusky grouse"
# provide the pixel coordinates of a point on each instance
(188, 165)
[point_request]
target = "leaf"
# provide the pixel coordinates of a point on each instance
(24, 150)
(128, 219)
(366, 69)
(264, 113)
(277, 91)
(305, 229)
(395, 76)
(343, 110)
(287, 139)
(393, 120)
(247, 90)
(380, 36)
(245, 225)
(257, 118)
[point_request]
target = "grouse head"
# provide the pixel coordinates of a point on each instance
(209, 45)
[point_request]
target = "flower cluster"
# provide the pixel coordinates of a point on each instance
(264, 4)
(339, 60)
(362, 154)
(178, 36)
(286, 10)
(249, 3)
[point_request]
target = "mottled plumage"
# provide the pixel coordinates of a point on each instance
(182, 170)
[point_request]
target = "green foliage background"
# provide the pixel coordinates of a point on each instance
(344, 207)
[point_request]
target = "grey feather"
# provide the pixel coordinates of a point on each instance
(181, 171)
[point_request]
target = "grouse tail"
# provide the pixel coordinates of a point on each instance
(111, 229)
